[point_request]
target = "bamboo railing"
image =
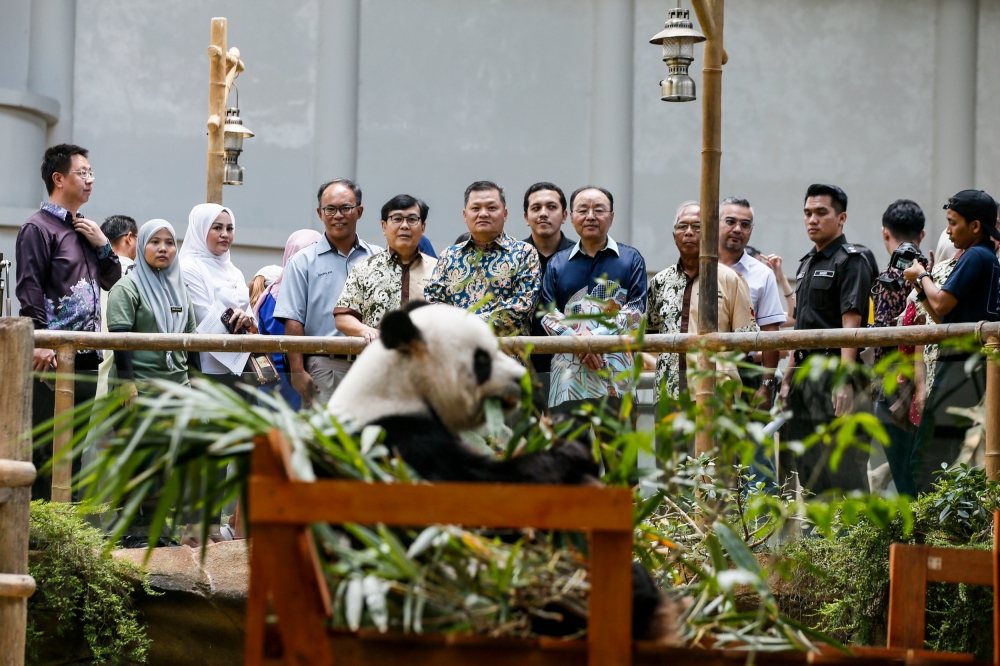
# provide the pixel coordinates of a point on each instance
(66, 343)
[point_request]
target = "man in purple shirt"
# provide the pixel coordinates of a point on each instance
(63, 261)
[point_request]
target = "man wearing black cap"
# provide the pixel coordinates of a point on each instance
(971, 294)
(832, 289)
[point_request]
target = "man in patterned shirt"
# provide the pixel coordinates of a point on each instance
(673, 300)
(903, 221)
(63, 261)
(492, 274)
(390, 279)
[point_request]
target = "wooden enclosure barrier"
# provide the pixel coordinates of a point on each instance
(16, 476)
(911, 567)
(284, 568)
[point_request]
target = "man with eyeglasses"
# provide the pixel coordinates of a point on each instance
(673, 301)
(599, 277)
(735, 228)
(63, 260)
(312, 283)
(388, 280)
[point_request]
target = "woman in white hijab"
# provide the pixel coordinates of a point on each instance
(151, 298)
(211, 277)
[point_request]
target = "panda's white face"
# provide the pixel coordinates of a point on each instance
(448, 363)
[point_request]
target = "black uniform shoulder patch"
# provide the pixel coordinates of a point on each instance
(850, 249)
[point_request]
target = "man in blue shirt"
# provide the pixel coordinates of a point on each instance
(311, 286)
(596, 275)
(971, 293)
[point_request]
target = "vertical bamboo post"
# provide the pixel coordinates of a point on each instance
(711, 157)
(993, 409)
(216, 111)
(62, 471)
(16, 345)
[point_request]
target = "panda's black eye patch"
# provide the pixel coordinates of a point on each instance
(482, 363)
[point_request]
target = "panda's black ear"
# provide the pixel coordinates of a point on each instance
(398, 331)
(413, 305)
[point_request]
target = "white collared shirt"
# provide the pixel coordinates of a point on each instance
(764, 292)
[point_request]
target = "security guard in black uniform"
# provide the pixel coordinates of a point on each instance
(832, 288)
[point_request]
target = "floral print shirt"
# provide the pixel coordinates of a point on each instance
(375, 286)
(501, 281)
(60, 274)
(571, 379)
(889, 305)
(666, 302)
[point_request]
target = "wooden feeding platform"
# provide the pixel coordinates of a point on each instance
(289, 604)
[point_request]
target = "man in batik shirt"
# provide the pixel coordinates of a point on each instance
(599, 277)
(491, 274)
(390, 279)
(63, 262)
(673, 301)
(903, 221)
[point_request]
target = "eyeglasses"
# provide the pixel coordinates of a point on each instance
(598, 211)
(345, 210)
(84, 174)
(684, 226)
(411, 220)
(745, 225)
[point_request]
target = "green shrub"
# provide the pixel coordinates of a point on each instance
(81, 589)
(850, 582)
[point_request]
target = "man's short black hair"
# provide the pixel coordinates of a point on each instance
(904, 219)
(58, 159)
(544, 185)
(342, 181)
(117, 226)
(611, 199)
(485, 186)
(838, 198)
(402, 202)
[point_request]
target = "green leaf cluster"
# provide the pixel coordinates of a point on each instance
(81, 590)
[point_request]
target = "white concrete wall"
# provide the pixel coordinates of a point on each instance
(424, 96)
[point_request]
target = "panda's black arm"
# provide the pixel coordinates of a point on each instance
(437, 455)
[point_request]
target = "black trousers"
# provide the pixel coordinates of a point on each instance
(940, 437)
(43, 406)
(811, 404)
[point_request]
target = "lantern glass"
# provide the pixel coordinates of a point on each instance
(233, 140)
(678, 47)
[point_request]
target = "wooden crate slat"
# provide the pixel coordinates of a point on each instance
(960, 565)
(473, 504)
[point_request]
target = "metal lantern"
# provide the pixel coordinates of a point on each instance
(678, 38)
(235, 132)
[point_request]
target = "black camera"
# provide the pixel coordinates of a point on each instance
(904, 255)
(901, 259)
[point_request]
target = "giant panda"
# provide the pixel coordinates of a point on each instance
(426, 379)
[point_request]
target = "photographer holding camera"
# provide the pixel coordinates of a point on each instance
(971, 294)
(902, 232)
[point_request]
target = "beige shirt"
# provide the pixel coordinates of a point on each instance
(735, 307)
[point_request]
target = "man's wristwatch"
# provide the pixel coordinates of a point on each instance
(768, 383)
(920, 278)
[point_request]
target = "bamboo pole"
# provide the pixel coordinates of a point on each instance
(15, 444)
(992, 424)
(708, 260)
(62, 471)
(597, 344)
(217, 88)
